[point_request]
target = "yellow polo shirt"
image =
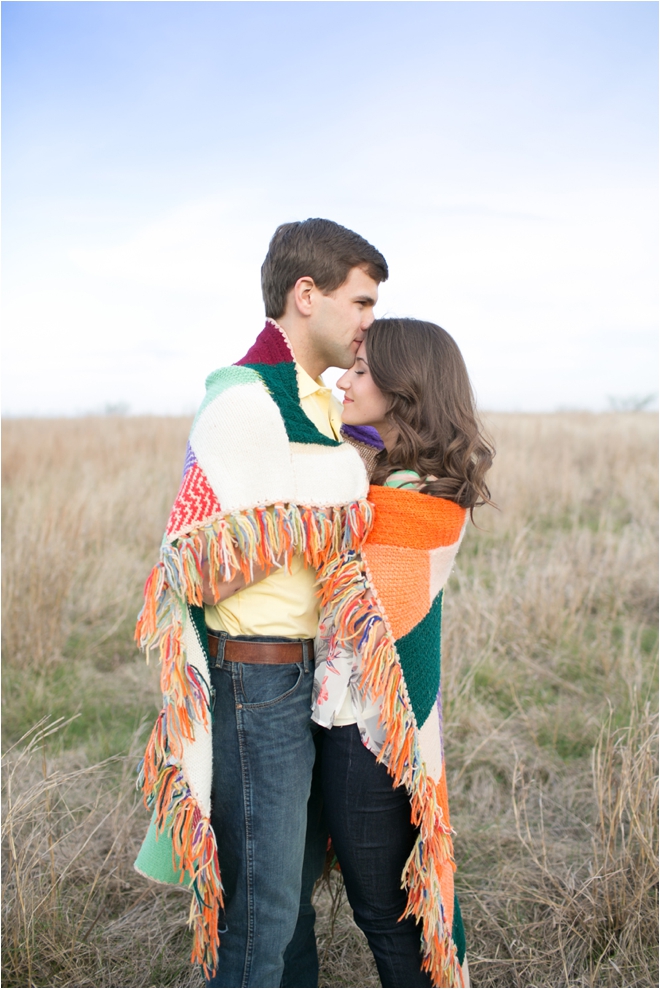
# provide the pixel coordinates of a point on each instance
(283, 603)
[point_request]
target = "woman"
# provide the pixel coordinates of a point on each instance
(378, 652)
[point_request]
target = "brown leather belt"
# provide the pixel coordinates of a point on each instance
(257, 651)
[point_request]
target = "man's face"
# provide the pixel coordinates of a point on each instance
(341, 319)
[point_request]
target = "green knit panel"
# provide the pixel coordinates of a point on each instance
(419, 653)
(458, 932)
(282, 382)
(199, 623)
(224, 378)
(155, 859)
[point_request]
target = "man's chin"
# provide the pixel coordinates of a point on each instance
(345, 360)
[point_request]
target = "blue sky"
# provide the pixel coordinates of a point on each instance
(502, 155)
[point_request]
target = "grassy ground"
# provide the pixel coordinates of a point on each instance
(549, 679)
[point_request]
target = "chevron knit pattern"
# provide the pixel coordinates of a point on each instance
(260, 484)
(396, 583)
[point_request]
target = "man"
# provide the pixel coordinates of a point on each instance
(269, 493)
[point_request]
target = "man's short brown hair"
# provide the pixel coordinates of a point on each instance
(318, 249)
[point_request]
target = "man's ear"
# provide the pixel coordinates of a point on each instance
(302, 293)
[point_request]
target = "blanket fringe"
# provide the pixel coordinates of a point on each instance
(358, 618)
(266, 538)
(195, 847)
(194, 852)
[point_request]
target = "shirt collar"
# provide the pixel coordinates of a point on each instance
(306, 384)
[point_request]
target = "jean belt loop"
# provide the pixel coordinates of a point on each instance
(306, 657)
(220, 658)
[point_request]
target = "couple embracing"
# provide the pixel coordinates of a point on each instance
(296, 610)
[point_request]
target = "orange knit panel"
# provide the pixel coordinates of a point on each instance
(406, 601)
(441, 793)
(408, 518)
(447, 892)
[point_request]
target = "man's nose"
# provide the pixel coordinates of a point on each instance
(367, 320)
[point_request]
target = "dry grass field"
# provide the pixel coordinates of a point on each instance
(549, 667)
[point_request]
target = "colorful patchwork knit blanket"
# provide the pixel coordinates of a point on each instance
(405, 562)
(260, 484)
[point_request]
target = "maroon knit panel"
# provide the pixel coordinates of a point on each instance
(269, 348)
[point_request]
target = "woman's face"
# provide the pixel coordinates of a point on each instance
(364, 402)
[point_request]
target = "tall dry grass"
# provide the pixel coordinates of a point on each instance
(84, 503)
(549, 679)
(74, 911)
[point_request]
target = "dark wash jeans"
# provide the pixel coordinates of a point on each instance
(372, 836)
(263, 757)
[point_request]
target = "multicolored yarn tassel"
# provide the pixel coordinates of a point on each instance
(263, 538)
(194, 854)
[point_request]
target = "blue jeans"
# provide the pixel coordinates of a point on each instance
(263, 756)
(301, 965)
(372, 835)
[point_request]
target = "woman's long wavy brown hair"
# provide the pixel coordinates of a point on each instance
(421, 371)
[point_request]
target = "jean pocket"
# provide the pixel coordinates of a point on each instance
(267, 685)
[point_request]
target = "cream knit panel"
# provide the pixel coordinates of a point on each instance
(198, 755)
